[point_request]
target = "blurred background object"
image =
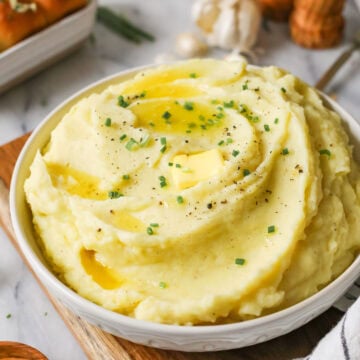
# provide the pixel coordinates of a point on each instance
(277, 10)
(317, 23)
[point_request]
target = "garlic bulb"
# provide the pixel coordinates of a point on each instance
(229, 24)
(189, 45)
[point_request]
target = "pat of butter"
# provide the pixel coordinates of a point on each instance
(196, 168)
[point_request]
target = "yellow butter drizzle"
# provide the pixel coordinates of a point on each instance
(75, 182)
(101, 274)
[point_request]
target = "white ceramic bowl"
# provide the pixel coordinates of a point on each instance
(184, 338)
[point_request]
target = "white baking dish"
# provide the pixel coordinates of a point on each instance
(45, 47)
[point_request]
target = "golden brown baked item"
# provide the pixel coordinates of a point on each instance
(16, 25)
(317, 23)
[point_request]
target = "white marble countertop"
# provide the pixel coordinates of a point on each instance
(33, 319)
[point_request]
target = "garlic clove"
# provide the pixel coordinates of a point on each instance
(249, 21)
(189, 45)
(205, 13)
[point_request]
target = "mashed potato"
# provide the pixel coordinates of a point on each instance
(201, 192)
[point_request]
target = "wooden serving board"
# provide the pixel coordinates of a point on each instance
(98, 344)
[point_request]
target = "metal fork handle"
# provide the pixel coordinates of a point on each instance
(339, 62)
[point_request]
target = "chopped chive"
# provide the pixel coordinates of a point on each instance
(151, 124)
(154, 225)
(162, 181)
(276, 120)
(203, 127)
(246, 172)
(191, 125)
(123, 137)
(149, 230)
(283, 90)
(193, 75)
(188, 131)
(114, 194)
(254, 119)
(143, 94)
(8, 316)
(214, 101)
(178, 166)
(235, 153)
(201, 117)
(229, 104)
(245, 86)
(220, 115)
(188, 105)
(229, 140)
(180, 199)
(130, 144)
(267, 127)
(108, 122)
(162, 285)
(163, 149)
(285, 151)
(239, 261)
(170, 164)
(220, 108)
(166, 115)
(126, 177)
(163, 141)
(271, 229)
(122, 102)
(221, 142)
(325, 152)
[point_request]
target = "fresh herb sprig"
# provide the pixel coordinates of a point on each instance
(123, 27)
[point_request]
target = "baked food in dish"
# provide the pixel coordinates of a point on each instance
(18, 20)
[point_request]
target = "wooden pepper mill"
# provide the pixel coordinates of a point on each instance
(277, 10)
(317, 23)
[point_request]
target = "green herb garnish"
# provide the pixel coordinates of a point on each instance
(108, 122)
(131, 144)
(283, 90)
(239, 261)
(162, 181)
(229, 104)
(170, 164)
(149, 230)
(126, 177)
(267, 127)
(122, 102)
(122, 26)
(285, 151)
(162, 285)
(271, 229)
(193, 75)
(235, 153)
(180, 199)
(178, 166)
(246, 172)
(114, 194)
(188, 106)
(122, 137)
(221, 142)
(166, 115)
(154, 225)
(8, 316)
(325, 152)
(276, 120)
